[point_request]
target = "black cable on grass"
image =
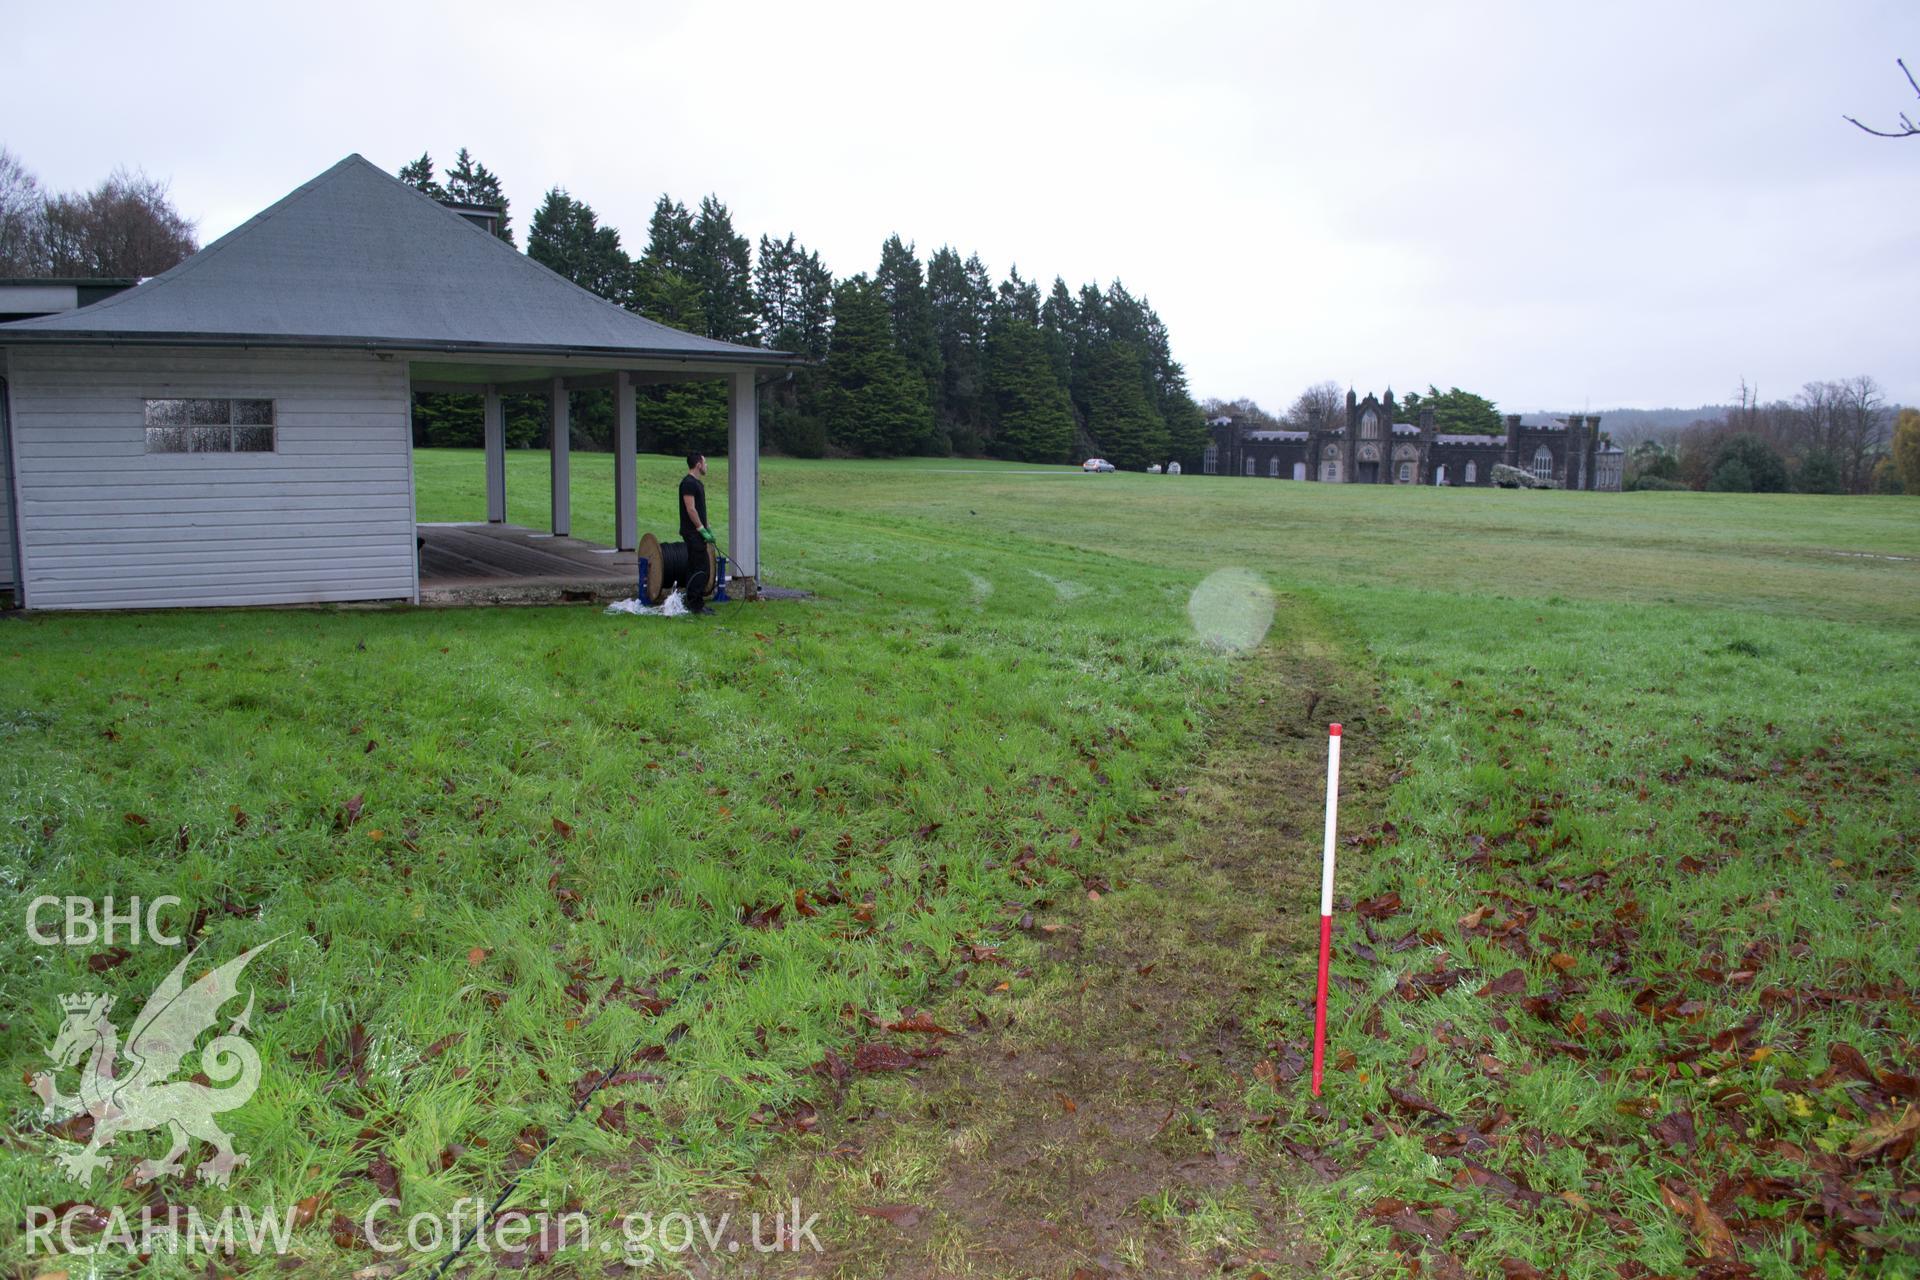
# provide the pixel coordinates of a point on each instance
(580, 1105)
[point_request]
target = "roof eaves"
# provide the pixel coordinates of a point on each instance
(10, 335)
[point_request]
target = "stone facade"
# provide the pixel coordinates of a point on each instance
(1369, 447)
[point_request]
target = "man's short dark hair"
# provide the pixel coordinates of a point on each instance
(693, 460)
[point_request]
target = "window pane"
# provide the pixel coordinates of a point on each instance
(208, 411)
(252, 439)
(253, 412)
(166, 413)
(212, 439)
(167, 439)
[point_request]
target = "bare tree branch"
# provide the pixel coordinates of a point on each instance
(1907, 129)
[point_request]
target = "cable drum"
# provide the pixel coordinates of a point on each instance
(665, 565)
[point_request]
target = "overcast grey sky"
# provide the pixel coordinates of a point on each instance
(1557, 205)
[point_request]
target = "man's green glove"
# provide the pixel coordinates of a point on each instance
(706, 533)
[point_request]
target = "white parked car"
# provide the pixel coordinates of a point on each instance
(1097, 464)
(1173, 468)
(1154, 470)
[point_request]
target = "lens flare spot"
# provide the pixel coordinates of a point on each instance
(1231, 609)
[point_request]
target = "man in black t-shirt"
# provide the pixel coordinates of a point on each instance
(694, 531)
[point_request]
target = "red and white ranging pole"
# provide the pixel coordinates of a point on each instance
(1326, 907)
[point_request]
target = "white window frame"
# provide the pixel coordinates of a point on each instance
(201, 425)
(1471, 474)
(1543, 463)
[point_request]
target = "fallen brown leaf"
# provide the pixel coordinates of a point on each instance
(919, 1023)
(900, 1215)
(1413, 1100)
(874, 1056)
(1890, 1135)
(1511, 983)
(1716, 1241)
(1378, 907)
(1676, 1129)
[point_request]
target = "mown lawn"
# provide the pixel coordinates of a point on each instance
(1667, 741)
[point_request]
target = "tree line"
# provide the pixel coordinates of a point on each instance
(913, 357)
(1832, 437)
(126, 227)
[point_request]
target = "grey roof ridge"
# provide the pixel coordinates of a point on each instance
(529, 260)
(712, 347)
(205, 254)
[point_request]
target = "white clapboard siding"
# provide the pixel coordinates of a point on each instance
(327, 516)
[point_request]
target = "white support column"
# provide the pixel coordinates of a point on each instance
(496, 440)
(560, 456)
(626, 511)
(743, 477)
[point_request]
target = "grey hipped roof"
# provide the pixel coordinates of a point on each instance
(356, 258)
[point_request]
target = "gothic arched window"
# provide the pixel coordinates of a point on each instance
(1249, 466)
(1211, 460)
(1273, 466)
(1369, 426)
(1543, 463)
(1471, 473)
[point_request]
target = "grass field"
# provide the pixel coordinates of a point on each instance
(1655, 754)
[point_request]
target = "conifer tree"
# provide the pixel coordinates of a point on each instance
(1033, 415)
(794, 291)
(721, 267)
(1020, 298)
(470, 182)
(566, 237)
(663, 287)
(1060, 322)
(419, 175)
(874, 403)
(1455, 412)
(670, 234)
(1119, 415)
(961, 301)
(910, 313)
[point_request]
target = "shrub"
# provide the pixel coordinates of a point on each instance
(1819, 473)
(1886, 477)
(1731, 476)
(1656, 484)
(1758, 463)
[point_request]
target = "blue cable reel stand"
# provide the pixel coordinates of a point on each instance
(664, 566)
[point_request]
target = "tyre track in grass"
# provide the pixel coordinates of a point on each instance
(1090, 1115)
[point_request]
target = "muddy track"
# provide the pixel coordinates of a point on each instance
(1095, 1125)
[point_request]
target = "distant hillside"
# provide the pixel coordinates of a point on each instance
(1626, 426)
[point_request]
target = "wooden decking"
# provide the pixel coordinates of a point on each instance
(508, 564)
